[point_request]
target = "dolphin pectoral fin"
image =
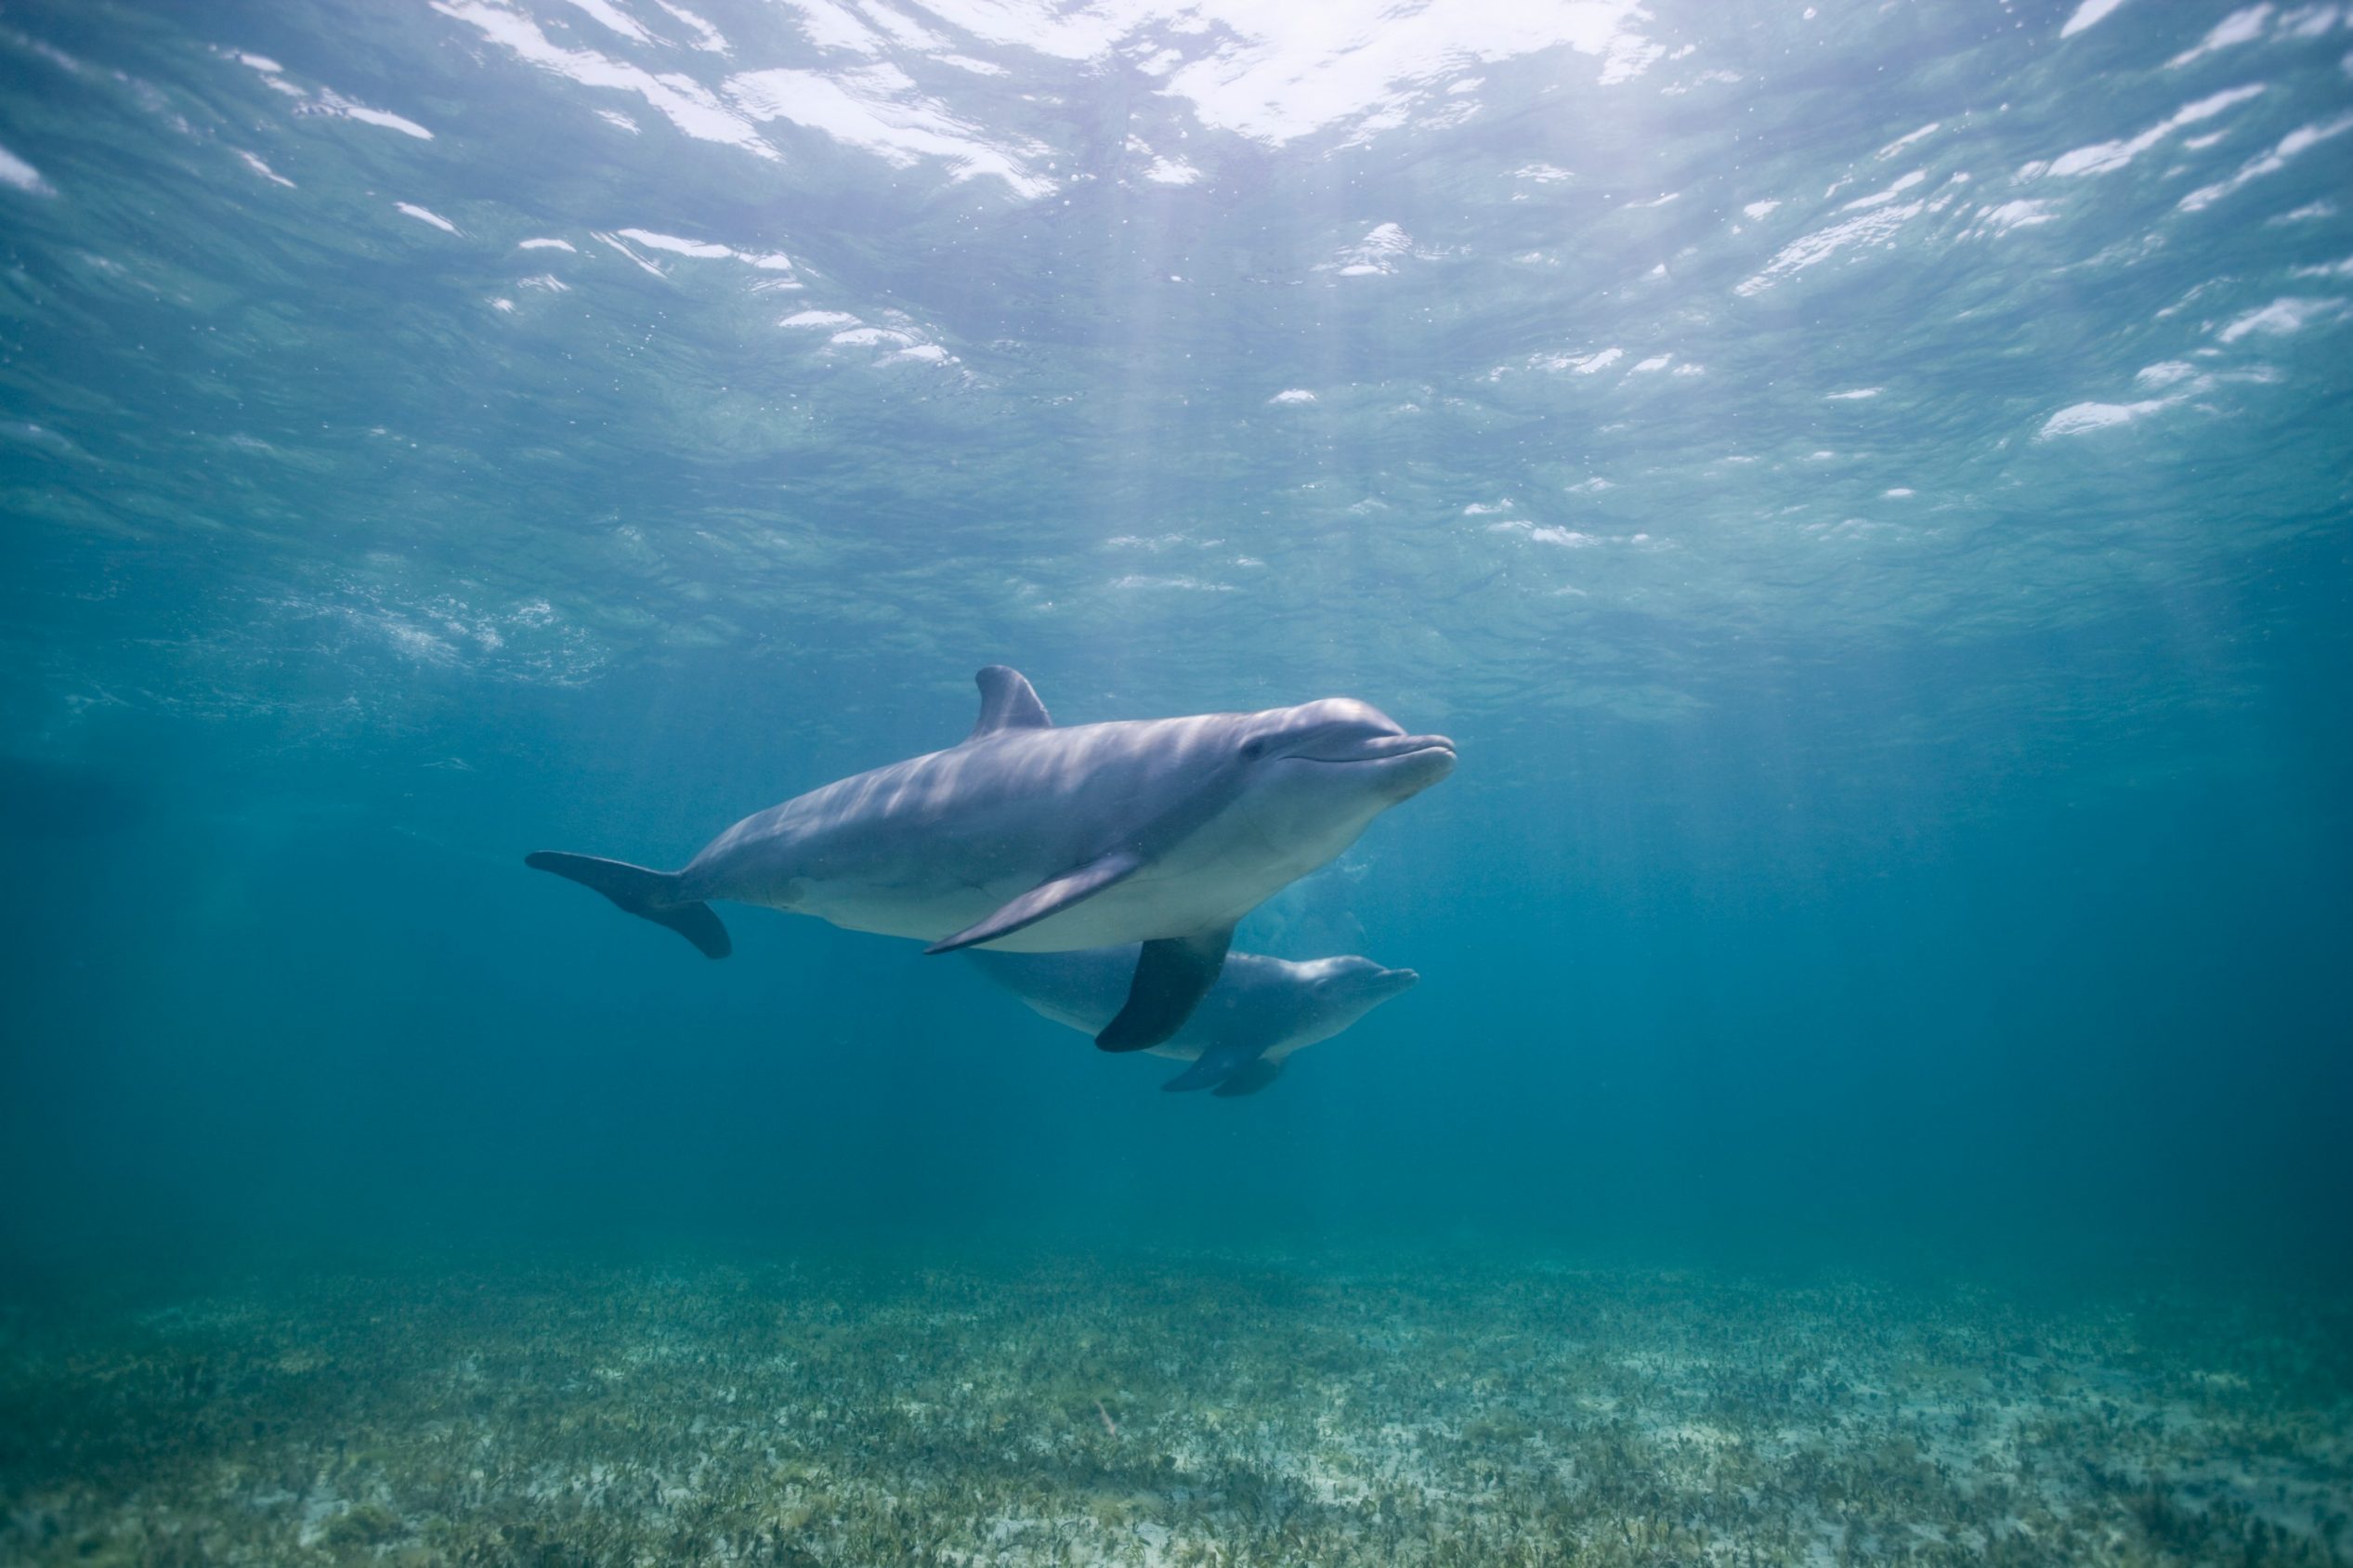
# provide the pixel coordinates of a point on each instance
(1216, 1065)
(1046, 898)
(1249, 1080)
(1173, 976)
(1007, 701)
(643, 892)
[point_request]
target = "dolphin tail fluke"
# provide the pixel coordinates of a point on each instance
(647, 894)
(1249, 1080)
(1173, 976)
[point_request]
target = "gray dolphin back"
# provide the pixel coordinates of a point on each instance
(649, 893)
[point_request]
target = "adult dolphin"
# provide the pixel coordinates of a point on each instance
(1034, 838)
(1258, 1013)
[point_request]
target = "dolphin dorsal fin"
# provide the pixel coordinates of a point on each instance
(1007, 702)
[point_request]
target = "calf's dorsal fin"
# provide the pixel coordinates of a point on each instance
(1007, 701)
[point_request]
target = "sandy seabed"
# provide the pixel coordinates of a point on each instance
(1170, 1409)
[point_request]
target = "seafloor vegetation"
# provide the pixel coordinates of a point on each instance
(1168, 1411)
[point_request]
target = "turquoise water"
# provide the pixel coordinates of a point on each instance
(1865, 488)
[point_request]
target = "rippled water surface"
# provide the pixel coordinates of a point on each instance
(1595, 357)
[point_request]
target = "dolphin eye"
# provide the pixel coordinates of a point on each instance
(1253, 749)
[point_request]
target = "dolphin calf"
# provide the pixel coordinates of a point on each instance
(1031, 837)
(1260, 1012)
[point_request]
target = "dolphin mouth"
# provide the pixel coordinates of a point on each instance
(1384, 748)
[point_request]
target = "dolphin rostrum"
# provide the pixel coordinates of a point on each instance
(1259, 1011)
(1033, 838)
